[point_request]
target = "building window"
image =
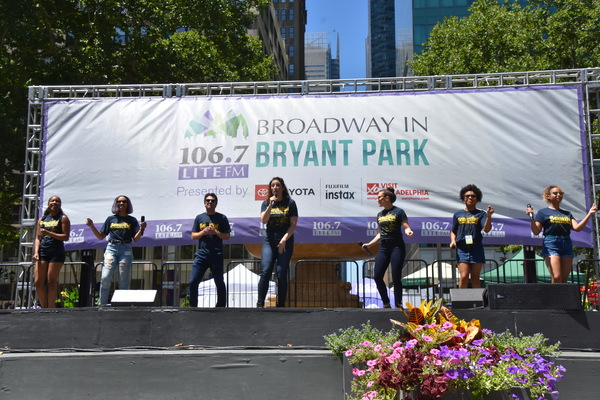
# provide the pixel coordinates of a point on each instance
(291, 32)
(283, 33)
(291, 14)
(277, 14)
(283, 14)
(292, 70)
(291, 50)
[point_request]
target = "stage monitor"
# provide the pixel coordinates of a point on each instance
(127, 298)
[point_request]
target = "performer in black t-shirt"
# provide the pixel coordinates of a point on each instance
(210, 229)
(557, 224)
(280, 214)
(53, 231)
(121, 229)
(392, 250)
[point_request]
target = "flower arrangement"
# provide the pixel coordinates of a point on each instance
(435, 353)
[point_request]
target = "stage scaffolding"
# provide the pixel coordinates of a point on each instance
(588, 78)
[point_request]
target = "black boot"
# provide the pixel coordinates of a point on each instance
(260, 304)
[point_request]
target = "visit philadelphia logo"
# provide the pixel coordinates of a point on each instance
(230, 124)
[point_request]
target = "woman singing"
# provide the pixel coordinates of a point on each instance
(53, 231)
(392, 250)
(466, 236)
(280, 214)
(556, 223)
(121, 229)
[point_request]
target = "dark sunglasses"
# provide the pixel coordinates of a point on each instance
(121, 201)
(210, 201)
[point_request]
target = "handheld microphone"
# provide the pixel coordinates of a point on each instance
(530, 214)
(365, 249)
(274, 194)
(142, 220)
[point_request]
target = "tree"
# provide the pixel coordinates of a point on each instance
(504, 37)
(68, 42)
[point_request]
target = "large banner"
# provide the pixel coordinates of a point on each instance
(334, 153)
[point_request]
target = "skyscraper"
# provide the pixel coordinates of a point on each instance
(291, 15)
(319, 62)
(389, 44)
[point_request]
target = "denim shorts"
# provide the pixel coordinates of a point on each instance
(557, 246)
(470, 254)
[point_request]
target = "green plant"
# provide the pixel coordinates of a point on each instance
(351, 337)
(436, 352)
(70, 296)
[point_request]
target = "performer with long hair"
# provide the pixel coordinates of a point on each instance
(280, 215)
(53, 230)
(557, 224)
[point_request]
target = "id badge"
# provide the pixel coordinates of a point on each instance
(469, 239)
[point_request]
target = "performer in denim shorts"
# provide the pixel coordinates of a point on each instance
(53, 231)
(557, 224)
(467, 238)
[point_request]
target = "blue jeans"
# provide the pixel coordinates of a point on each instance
(390, 252)
(202, 262)
(269, 257)
(116, 255)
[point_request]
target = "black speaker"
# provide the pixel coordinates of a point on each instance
(466, 298)
(533, 296)
(125, 298)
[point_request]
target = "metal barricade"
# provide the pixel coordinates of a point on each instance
(69, 284)
(417, 283)
(15, 281)
(320, 283)
(512, 271)
(241, 278)
(144, 276)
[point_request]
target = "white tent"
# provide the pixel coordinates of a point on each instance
(430, 276)
(242, 289)
(371, 298)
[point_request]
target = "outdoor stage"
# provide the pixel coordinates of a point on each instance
(182, 353)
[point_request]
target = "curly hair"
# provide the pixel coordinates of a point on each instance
(471, 188)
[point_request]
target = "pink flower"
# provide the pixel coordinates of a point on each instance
(372, 363)
(427, 338)
(377, 348)
(448, 325)
(366, 343)
(397, 344)
(348, 353)
(370, 383)
(435, 352)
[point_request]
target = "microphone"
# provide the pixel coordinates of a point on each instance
(530, 214)
(365, 249)
(274, 194)
(143, 219)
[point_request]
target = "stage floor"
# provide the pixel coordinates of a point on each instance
(182, 353)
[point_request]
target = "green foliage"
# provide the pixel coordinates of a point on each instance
(352, 337)
(69, 42)
(503, 37)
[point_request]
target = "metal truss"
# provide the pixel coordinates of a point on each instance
(589, 78)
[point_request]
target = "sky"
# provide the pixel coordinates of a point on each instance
(350, 19)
